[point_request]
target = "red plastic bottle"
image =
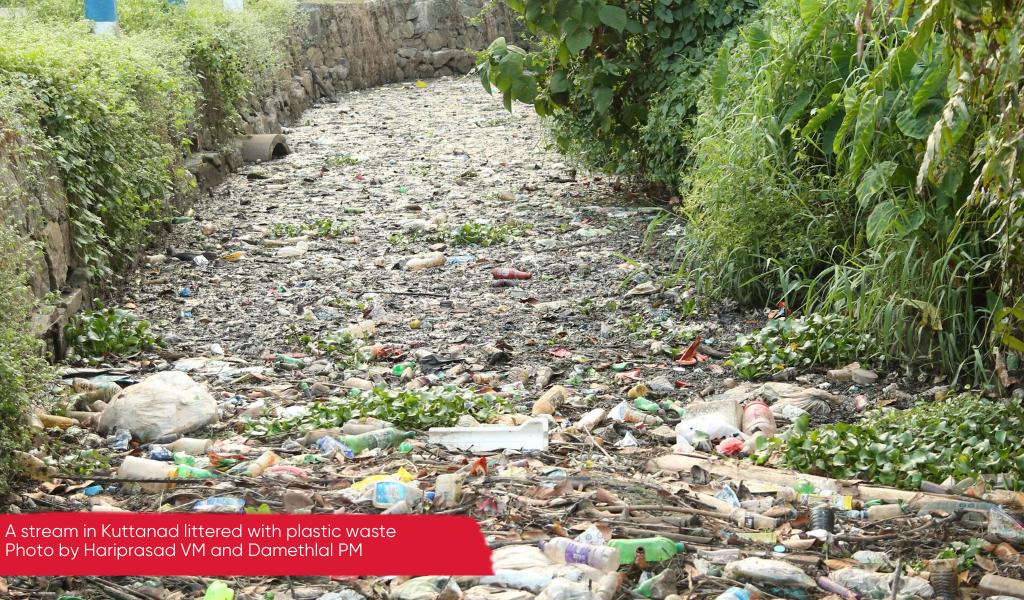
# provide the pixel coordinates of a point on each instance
(507, 273)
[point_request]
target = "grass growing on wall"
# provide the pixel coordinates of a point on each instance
(118, 115)
(116, 118)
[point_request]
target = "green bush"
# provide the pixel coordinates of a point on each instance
(116, 116)
(960, 437)
(22, 370)
(97, 334)
(835, 167)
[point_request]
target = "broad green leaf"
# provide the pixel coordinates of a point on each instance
(797, 107)
(809, 9)
(563, 54)
(634, 114)
(506, 99)
(603, 97)
(517, 5)
(498, 48)
(874, 181)
(559, 82)
(931, 84)
(920, 126)
(880, 220)
(485, 78)
(511, 65)
(824, 114)
(720, 77)
(579, 40)
(613, 16)
(525, 89)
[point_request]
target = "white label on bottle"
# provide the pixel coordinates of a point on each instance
(578, 554)
(390, 492)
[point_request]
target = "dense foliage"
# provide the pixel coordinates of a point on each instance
(598, 65)
(22, 370)
(117, 115)
(852, 158)
(960, 437)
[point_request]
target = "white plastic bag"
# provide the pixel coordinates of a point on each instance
(168, 402)
(712, 424)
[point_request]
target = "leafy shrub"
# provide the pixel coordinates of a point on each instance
(116, 115)
(98, 334)
(598, 64)
(439, 406)
(477, 234)
(963, 436)
(836, 167)
(22, 370)
(799, 341)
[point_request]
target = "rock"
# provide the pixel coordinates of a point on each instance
(436, 40)
(168, 402)
(441, 57)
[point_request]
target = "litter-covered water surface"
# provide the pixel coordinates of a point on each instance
(422, 260)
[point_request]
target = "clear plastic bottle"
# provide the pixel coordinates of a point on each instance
(389, 493)
(744, 593)
(877, 513)
(449, 488)
(565, 551)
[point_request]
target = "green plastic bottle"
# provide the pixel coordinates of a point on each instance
(180, 458)
(802, 486)
(645, 405)
(189, 471)
(656, 549)
(382, 438)
(673, 405)
(219, 590)
(646, 588)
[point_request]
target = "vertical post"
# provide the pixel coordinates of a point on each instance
(234, 5)
(103, 13)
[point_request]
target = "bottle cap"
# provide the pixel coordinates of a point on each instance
(680, 547)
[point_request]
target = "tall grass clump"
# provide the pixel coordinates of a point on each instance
(861, 160)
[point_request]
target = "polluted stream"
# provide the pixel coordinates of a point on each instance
(422, 259)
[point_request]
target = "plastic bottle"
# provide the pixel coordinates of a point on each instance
(994, 585)
(193, 446)
(645, 405)
(837, 501)
(944, 578)
(357, 383)
(625, 412)
(608, 585)
(95, 391)
(802, 486)
(389, 493)
(591, 419)
(448, 488)
(646, 587)
(288, 362)
(256, 467)
(656, 549)
(744, 593)
(382, 438)
(752, 520)
(134, 467)
(544, 375)
(185, 471)
(550, 401)
(565, 551)
(316, 435)
(426, 261)
(673, 406)
(329, 446)
(757, 417)
(877, 513)
(181, 458)
(56, 421)
(974, 509)
(507, 273)
(219, 590)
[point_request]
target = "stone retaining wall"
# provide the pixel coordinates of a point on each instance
(348, 46)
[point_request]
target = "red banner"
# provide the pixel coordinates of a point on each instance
(164, 544)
